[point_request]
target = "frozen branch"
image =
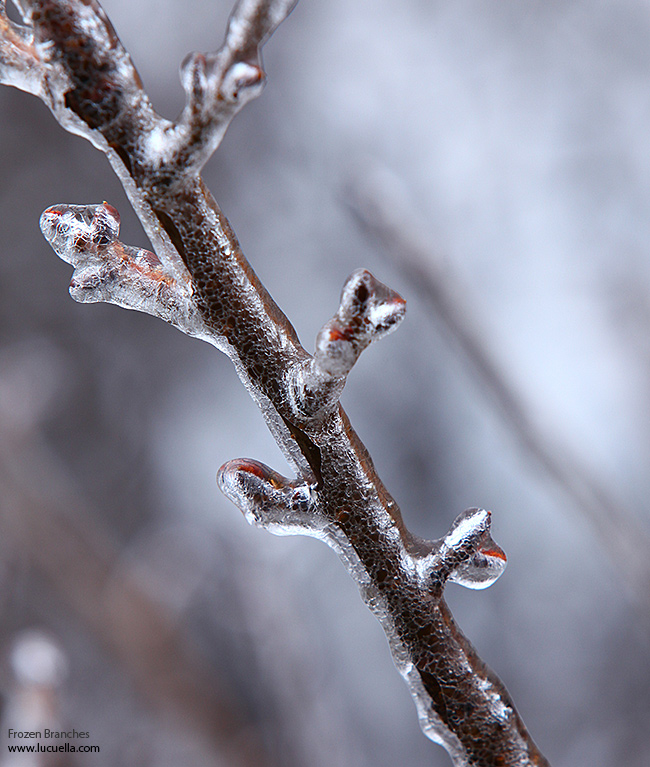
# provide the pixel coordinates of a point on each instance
(217, 85)
(200, 281)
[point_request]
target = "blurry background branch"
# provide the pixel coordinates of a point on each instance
(49, 527)
(380, 205)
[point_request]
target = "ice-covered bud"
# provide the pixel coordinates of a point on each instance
(193, 75)
(106, 269)
(368, 310)
(266, 498)
(480, 560)
(467, 554)
(242, 78)
(76, 231)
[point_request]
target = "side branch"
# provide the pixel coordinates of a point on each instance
(105, 269)
(369, 310)
(218, 85)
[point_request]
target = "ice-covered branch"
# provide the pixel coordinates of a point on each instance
(200, 281)
(105, 269)
(218, 85)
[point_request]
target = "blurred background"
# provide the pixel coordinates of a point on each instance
(490, 161)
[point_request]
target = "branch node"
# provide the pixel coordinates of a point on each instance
(467, 555)
(269, 500)
(369, 310)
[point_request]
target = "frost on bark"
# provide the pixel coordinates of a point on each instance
(67, 53)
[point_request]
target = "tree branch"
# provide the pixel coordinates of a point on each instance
(337, 496)
(218, 85)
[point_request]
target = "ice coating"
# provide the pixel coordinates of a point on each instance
(105, 269)
(368, 311)
(76, 231)
(94, 90)
(478, 561)
(268, 499)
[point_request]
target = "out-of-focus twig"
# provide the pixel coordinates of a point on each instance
(378, 203)
(53, 529)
